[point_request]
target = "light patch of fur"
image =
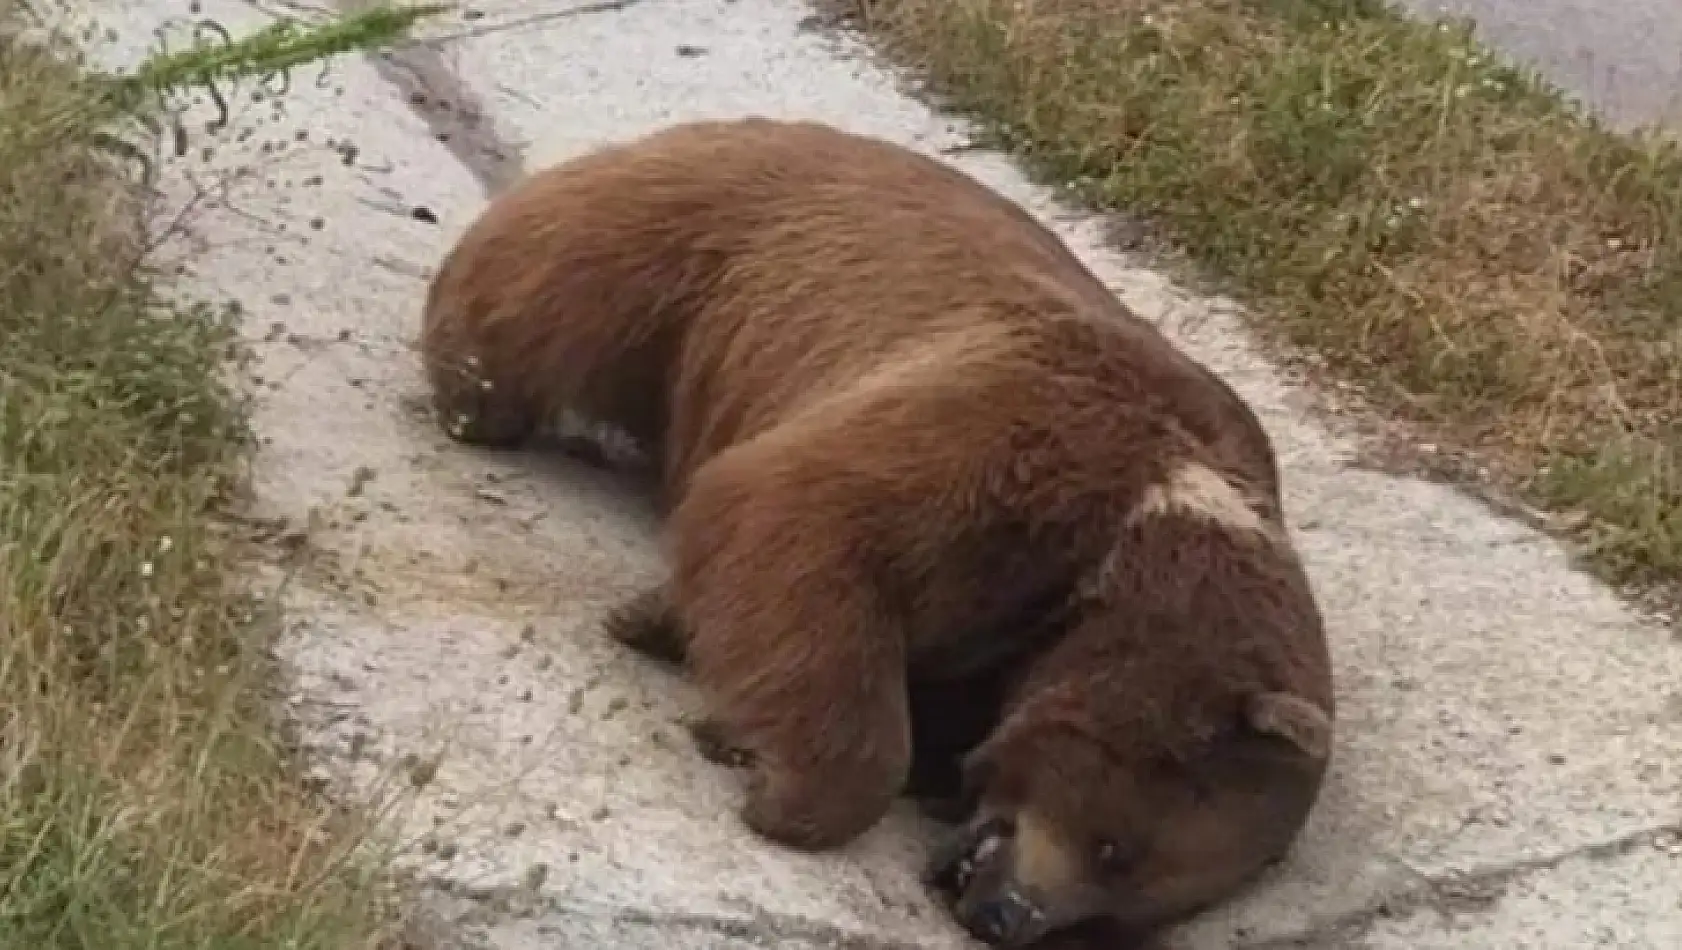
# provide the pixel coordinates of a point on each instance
(1044, 862)
(618, 448)
(1199, 491)
(1193, 490)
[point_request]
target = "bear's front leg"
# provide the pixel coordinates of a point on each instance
(799, 665)
(821, 728)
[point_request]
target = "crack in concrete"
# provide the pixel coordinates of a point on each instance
(760, 924)
(500, 904)
(453, 112)
(1470, 891)
(435, 92)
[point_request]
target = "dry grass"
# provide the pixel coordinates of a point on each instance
(1473, 254)
(144, 802)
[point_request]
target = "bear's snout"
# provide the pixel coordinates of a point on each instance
(976, 871)
(1005, 918)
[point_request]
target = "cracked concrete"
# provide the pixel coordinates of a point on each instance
(1509, 733)
(1470, 908)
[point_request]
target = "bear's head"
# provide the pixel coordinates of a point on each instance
(1070, 828)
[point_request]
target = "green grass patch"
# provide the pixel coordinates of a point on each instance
(1475, 255)
(145, 801)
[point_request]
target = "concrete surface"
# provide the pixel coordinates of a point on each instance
(1622, 58)
(1507, 772)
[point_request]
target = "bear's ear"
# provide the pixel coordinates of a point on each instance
(1292, 718)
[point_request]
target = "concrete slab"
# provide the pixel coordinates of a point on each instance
(1499, 712)
(1627, 899)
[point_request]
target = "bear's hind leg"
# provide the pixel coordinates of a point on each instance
(646, 623)
(798, 662)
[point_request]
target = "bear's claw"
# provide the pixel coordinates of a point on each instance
(714, 745)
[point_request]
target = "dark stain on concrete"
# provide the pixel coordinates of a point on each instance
(455, 114)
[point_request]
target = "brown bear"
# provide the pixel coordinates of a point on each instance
(909, 443)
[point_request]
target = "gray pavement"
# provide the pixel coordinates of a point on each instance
(1622, 58)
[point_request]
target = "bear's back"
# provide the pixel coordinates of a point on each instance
(715, 277)
(863, 253)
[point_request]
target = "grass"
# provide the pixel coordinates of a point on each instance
(1447, 234)
(145, 801)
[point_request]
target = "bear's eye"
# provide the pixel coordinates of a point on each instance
(1115, 857)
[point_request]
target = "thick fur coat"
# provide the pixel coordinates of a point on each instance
(907, 442)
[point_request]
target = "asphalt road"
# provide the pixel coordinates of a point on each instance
(1621, 57)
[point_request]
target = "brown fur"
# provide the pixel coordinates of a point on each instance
(949, 716)
(908, 440)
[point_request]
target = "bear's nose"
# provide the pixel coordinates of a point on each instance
(1002, 919)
